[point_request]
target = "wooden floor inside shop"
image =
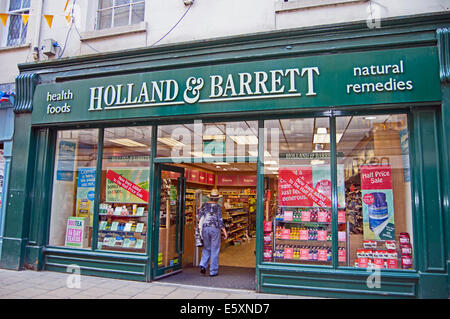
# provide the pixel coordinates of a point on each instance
(242, 255)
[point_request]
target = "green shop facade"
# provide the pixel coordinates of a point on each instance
(91, 129)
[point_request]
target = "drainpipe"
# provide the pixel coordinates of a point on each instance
(37, 31)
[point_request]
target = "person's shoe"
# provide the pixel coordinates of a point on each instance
(212, 275)
(202, 270)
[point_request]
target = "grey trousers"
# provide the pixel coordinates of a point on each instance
(211, 249)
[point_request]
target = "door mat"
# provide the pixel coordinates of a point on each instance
(229, 277)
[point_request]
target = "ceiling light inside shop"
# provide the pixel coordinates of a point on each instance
(214, 137)
(255, 153)
(170, 141)
(200, 154)
(325, 138)
(322, 130)
(127, 142)
(245, 139)
(222, 163)
(317, 162)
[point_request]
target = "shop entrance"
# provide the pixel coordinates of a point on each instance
(177, 250)
(169, 223)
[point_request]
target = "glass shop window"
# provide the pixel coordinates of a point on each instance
(207, 141)
(297, 203)
(373, 152)
(125, 189)
(73, 194)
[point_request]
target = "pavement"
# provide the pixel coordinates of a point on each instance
(28, 284)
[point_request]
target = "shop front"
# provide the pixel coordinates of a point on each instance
(6, 135)
(331, 164)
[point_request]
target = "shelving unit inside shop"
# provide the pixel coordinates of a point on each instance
(238, 212)
(122, 227)
(304, 234)
(190, 206)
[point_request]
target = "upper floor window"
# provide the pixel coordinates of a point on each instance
(17, 30)
(117, 13)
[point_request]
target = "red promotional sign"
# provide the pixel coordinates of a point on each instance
(247, 180)
(127, 185)
(202, 177)
(210, 179)
(226, 180)
(193, 175)
(296, 188)
(375, 177)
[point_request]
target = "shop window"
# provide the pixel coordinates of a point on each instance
(297, 206)
(373, 208)
(374, 151)
(117, 13)
(208, 142)
(73, 188)
(16, 30)
(125, 188)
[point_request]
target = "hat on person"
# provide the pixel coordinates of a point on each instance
(214, 194)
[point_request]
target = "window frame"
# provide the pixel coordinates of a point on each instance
(113, 8)
(5, 43)
(332, 116)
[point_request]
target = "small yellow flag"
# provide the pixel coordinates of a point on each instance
(49, 19)
(68, 18)
(25, 18)
(4, 18)
(67, 3)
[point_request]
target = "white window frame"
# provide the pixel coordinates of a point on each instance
(115, 7)
(6, 31)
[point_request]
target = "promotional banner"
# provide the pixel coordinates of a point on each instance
(66, 160)
(127, 185)
(377, 202)
(86, 193)
(306, 186)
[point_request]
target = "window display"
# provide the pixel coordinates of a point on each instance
(374, 152)
(72, 209)
(298, 223)
(374, 219)
(125, 189)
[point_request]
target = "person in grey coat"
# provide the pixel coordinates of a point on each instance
(212, 224)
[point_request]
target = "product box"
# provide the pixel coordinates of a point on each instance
(363, 262)
(77, 231)
(267, 226)
(342, 255)
(390, 244)
(392, 263)
(378, 262)
(370, 244)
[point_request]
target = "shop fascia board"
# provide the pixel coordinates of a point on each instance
(403, 31)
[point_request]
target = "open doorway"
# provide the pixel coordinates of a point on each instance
(236, 183)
